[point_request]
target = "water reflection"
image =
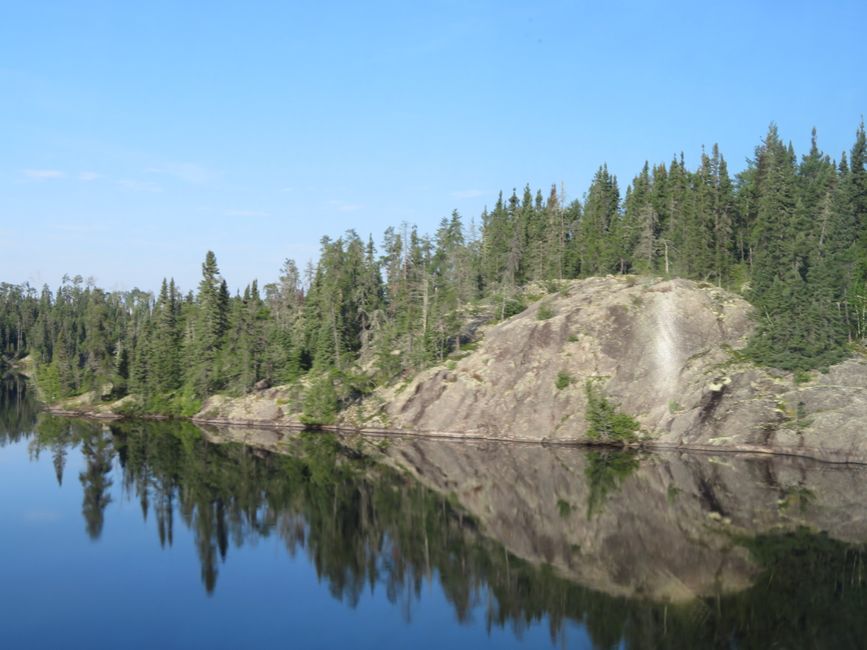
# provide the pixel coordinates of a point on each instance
(662, 551)
(18, 408)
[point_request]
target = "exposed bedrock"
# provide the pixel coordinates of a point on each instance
(664, 350)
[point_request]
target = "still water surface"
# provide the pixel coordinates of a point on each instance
(165, 535)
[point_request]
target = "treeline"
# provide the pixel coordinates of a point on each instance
(790, 234)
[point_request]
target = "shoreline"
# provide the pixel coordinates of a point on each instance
(643, 445)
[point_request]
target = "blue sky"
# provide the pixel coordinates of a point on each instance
(135, 136)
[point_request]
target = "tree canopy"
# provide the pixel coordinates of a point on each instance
(788, 234)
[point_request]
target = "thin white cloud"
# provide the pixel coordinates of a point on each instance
(88, 176)
(43, 174)
(186, 172)
(286, 189)
(467, 194)
(246, 213)
(344, 206)
(138, 186)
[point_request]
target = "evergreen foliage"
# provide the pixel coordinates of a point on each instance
(604, 421)
(791, 235)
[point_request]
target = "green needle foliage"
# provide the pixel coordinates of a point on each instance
(789, 233)
(564, 379)
(604, 421)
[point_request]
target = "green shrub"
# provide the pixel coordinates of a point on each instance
(320, 402)
(513, 307)
(181, 403)
(553, 286)
(545, 312)
(131, 409)
(49, 381)
(604, 420)
(506, 307)
(564, 379)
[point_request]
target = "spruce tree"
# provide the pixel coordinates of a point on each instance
(208, 329)
(798, 326)
(164, 372)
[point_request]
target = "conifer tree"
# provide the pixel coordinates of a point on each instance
(164, 372)
(798, 328)
(598, 228)
(207, 332)
(792, 236)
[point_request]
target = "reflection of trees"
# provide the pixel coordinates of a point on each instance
(605, 473)
(364, 524)
(18, 408)
(54, 434)
(59, 434)
(95, 481)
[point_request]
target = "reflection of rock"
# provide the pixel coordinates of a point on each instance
(669, 532)
(273, 440)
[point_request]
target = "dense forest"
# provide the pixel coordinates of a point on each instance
(789, 234)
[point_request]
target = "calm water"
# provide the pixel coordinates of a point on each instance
(164, 535)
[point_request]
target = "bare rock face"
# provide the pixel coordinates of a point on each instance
(277, 406)
(650, 342)
(661, 349)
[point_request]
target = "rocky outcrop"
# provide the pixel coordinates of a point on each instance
(664, 350)
(276, 407)
(650, 342)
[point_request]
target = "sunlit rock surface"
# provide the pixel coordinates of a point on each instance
(664, 350)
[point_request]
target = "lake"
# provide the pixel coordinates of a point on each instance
(143, 534)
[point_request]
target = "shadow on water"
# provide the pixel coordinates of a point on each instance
(402, 513)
